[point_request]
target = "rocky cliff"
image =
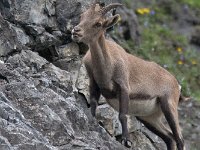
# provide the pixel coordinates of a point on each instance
(43, 85)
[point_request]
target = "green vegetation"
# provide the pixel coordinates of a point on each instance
(192, 3)
(161, 44)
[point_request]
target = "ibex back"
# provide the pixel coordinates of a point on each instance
(131, 85)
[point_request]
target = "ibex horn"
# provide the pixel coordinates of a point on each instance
(109, 7)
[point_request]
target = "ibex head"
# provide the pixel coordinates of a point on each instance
(93, 22)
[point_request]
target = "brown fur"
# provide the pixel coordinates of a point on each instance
(131, 85)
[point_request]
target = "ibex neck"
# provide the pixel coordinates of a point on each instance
(101, 59)
(99, 50)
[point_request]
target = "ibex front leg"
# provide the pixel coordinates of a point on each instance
(123, 111)
(94, 96)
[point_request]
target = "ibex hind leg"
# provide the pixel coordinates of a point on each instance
(154, 123)
(171, 115)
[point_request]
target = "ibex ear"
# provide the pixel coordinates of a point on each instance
(111, 21)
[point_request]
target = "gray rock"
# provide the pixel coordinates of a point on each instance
(109, 119)
(68, 12)
(37, 12)
(140, 142)
(8, 43)
(82, 83)
(21, 36)
(33, 17)
(69, 60)
(46, 40)
(4, 144)
(34, 30)
(68, 51)
(41, 111)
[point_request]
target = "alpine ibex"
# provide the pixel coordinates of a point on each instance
(130, 85)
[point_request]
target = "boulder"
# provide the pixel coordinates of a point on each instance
(12, 38)
(68, 13)
(26, 12)
(40, 111)
(108, 118)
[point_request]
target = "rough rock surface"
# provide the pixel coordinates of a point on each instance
(39, 109)
(108, 117)
(44, 107)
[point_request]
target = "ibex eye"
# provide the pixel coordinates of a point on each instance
(98, 24)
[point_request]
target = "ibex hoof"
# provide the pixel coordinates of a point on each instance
(126, 143)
